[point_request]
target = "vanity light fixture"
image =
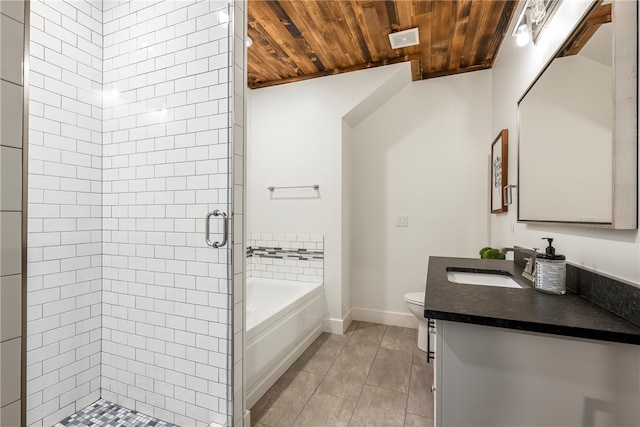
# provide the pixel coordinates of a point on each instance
(532, 20)
(249, 41)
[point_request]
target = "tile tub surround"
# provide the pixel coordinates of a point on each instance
(372, 375)
(525, 309)
(298, 257)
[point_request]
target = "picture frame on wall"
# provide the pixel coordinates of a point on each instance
(499, 172)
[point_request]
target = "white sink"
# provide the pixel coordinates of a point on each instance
(483, 279)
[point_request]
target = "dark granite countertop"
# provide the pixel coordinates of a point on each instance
(522, 309)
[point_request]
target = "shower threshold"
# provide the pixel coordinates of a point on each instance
(107, 414)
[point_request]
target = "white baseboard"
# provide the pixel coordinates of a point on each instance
(246, 419)
(337, 326)
(332, 326)
(347, 320)
(391, 318)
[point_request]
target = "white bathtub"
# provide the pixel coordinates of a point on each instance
(283, 318)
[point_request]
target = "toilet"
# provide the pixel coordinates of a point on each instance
(415, 302)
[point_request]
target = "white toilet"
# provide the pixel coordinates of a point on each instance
(415, 302)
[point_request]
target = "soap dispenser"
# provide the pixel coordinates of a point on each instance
(551, 271)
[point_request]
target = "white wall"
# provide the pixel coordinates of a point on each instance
(347, 209)
(295, 138)
(613, 252)
(425, 154)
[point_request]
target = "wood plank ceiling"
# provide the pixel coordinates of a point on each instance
(300, 39)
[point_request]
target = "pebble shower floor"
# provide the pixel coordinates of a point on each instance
(107, 414)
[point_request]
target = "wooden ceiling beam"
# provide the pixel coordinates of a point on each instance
(462, 12)
(372, 23)
(338, 71)
(281, 37)
(476, 16)
(501, 29)
(356, 33)
(271, 59)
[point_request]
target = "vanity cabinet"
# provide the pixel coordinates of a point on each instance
(491, 376)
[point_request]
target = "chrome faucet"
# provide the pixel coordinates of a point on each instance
(529, 271)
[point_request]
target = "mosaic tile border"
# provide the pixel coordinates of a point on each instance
(103, 413)
(298, 257)
(281, 253)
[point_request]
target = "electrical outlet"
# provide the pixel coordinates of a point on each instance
(402, 221)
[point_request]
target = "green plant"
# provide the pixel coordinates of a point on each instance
(483, 250)
(491, 253)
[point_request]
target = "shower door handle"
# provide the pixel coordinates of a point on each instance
(225, 229)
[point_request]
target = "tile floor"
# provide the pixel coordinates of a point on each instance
(102, 413)
(372, 375)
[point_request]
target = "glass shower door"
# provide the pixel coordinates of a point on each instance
(167, 293)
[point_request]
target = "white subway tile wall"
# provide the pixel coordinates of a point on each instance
(130, 135)
(11, 212)
(165, 165)
(298, 257)
(65, 213)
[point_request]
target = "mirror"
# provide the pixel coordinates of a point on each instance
(577, 126)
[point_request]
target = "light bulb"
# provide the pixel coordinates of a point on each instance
(249, 41)
(522, 35)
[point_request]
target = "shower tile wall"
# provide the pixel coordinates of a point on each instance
(166, 139)
(65, 215)
(11, 96)
(130, 138)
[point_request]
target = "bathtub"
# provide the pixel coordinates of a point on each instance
(283, 318)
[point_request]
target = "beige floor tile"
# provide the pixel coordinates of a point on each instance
(413, 420)
(391, 369)
(346, 377)
(420, 396)
(280, 406)
(327, 411)
(420, 358)
(365, 340)
(400, 339)
(379, 407)
(353, 326)
(397, 390)
(372, 327)
(320, 355)
(336, 338)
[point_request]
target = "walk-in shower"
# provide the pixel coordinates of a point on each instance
(135, 134)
